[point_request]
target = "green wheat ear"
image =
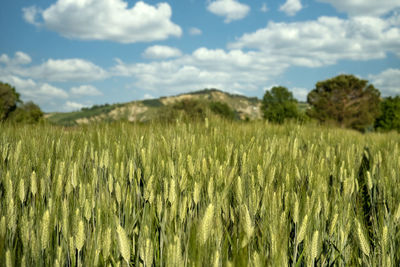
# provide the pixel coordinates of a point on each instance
(45, 229)
(124, 245)
(303, 229)
(206, 224)
(80, 236)
(8, 259)
(314, 245)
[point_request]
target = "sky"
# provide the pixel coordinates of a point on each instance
(69, 54)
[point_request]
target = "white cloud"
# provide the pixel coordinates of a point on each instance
(31, 14)
(388, 82)
(364, 8)
(264, 7)
(73, 106)
(62, 70)
(47, 90)
(231, 71)
(20, 58)
(106, 20)
(85, 90)
(324, 41)
(4, 59)
(54, 70)
(258, 58)
(18, 83)
(230, 9)
(300, 93)
(291, 7)
(161, 52)
(195, 31)
(148, 96)
(40, 93)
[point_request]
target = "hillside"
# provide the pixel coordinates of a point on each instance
(146, 110)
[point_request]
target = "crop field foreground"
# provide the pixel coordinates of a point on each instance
(213, 193)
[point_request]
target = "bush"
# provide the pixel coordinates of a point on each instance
(223, 110)
(27, 113)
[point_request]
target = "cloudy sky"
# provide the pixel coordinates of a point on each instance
(67, 54)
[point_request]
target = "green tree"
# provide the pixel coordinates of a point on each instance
(27, 113)
(345, 100)
(279, 104)
(390, 115)
(223, 110)
(9, 99)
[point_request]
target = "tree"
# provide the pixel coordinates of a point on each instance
(223, 110)
(8, 100)
(27, 113)
(279, 104)
(346, 101)
(390, 115)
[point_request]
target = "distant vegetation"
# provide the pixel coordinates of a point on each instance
(14, 110)
(344, 101)
(389, 118)
(189, 110)
(279, 105)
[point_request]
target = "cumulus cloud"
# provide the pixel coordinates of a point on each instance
(53, 70)
(264, 7)
(148, 96)
(34, 81)
(106, 20)
(73, 106)
(363, 8)
(29, 89)
(230, 9)
(231, 71)
(291, 7)
(85, 90)
(255, 59)
(324, 41)
(63, 70)
(195, 31)
(161, 52)
(31, 14)
(300, 93)
(20, 58)
(388, 82)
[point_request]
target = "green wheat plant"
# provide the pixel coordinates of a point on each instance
(201, 193)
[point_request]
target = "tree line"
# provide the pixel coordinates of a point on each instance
(345, 101)
(13, 109)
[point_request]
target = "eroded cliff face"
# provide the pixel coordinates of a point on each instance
(141, 111)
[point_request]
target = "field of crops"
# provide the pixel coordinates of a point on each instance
(213, 193)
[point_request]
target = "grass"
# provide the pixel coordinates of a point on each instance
(205, 193)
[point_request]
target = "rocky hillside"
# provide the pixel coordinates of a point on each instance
(244, 107)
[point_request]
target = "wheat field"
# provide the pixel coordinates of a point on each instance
(207, 193)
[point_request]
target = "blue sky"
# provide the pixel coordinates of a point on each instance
(68, 54)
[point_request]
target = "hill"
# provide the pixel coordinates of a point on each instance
(245, 108)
